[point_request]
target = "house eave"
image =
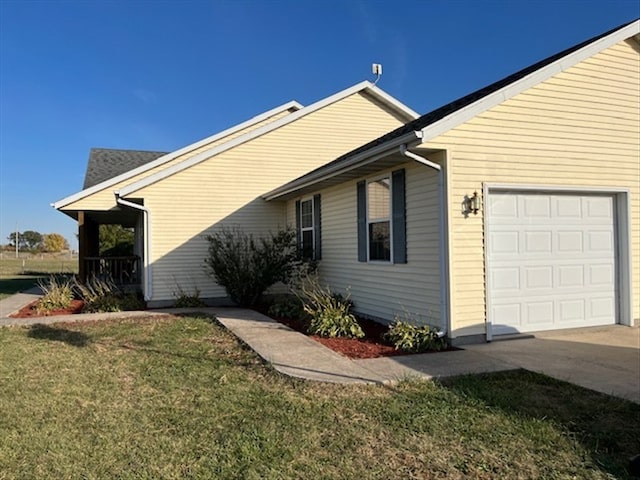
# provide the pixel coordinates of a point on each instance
(322, 175)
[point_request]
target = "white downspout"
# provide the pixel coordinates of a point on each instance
(146, 243)
(444, 285)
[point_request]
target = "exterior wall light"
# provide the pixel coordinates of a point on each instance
(471, 204)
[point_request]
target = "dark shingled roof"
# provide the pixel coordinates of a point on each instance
(439, 113)
(106, 163)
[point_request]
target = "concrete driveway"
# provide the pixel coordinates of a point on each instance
(605, 359)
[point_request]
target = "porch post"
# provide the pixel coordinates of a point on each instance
(88, 242)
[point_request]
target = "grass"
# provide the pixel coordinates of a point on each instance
(20, 274)
(179, 397)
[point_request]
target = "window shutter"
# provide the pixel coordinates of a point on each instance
(317, 244)
(298, 226)
(398, 204)
(362, 221)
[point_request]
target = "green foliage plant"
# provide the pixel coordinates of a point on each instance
(286, 306)
(330, 313)
(408, 337)
(58, 294)
(103, 295)
(247, 266)
(185, 299)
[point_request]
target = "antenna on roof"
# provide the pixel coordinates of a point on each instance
(376, 69)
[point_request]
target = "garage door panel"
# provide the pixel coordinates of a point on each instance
(570, 241)
(551, 261)
(601, 274)
(536, 206)
(600, 242)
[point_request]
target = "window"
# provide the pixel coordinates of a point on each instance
(308, 227)
(378, 219)
(381, 219)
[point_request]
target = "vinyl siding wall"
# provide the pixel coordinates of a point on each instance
(104, 199)
(579, 128)
(383, 290)
(226, 189)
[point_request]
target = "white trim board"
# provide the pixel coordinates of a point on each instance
(623, 247)
(292, 105)
(363, 86)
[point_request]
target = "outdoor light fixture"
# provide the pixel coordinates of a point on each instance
(471, 204)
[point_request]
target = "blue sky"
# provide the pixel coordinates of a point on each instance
(158, 75)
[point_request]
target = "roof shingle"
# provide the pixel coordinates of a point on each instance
(106, 163)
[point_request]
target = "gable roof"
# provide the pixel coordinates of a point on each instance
(370, 88)
(442, 119)
(106, 163)
(167, 157)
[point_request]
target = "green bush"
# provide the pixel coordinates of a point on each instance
(413, 339)
(103, 295)
(246, 267)
(187, 300)
(58, 294)
(286, 307)
(330, 313)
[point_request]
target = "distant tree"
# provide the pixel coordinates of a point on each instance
(12, 240)
(32, 240)
(116, 240)
(54, 242)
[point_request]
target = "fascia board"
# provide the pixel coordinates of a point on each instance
(129, 189)
(467, 113)
(170, 156)
(385, 97)
(358, 160)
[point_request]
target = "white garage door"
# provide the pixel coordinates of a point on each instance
(551, 261)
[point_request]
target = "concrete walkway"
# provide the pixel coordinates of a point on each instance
(297, 355)
(603, 359)
(290, 352)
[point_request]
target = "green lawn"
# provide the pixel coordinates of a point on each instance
(19, 274)
(181, 398)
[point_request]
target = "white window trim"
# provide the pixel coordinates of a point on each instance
(387, 175)
(311, 228)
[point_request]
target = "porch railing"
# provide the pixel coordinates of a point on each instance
(122, 270)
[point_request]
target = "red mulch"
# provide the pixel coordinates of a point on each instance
(31, 310)
(371, 346)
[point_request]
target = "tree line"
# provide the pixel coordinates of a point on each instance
(32, 241)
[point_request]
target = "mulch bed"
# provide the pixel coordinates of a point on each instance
(372, 345)
(31, 310)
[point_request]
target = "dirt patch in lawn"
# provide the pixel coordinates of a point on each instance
(31, 310)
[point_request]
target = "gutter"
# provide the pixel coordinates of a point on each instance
(444, 284)
(147, 286)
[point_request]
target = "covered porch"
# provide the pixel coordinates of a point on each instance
(124, 265)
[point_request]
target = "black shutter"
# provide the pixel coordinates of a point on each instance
(298, 226)
(317, 244)
(398, 204)
(362, 221)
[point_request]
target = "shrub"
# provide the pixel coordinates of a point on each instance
(187, 300)
(286, 307)
(58, 294)
(413, 339)
(330, 313)
(103, 295)
(246, 267)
